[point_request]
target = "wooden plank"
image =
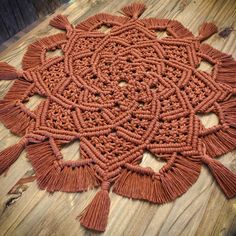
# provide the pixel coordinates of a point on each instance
(203, 210)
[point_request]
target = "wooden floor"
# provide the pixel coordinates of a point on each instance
(203, 210)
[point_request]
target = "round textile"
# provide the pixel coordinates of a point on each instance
(122, 92)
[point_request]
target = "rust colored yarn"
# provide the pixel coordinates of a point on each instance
(121, 93)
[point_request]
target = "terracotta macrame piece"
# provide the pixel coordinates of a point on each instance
(121, 93)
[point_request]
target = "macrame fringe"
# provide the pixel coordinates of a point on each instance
(156, 24)
(13, 117)
(17, 90)
(223, 140)
(52, 40)
(8, 72)
(220, 142)
(206, 30)
(96, 21)
(134, 185)
(172, 27)
(11, 154)
(33, 56)
(176, 29)
(134, 10)
(226, 69)
(159, 188)
(224, 177)
(95, 215)
(61, 22)
(36, 52)
(53, 177)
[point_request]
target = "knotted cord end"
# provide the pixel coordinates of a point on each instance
(206, 30)
(61, 22)
(134, 10)
(95, 215)
(8, 72)
(225, 178)
(11, 154)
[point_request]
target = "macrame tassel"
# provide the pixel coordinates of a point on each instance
(206, 30)
(71, 179)
(95, 215)
(134, 10)
(144, 184)
(61, 22)
(224, 177)
(95, 21)
(33, 56)
(53, 175)
(53, 40)
(222, 141)
(8, 72)
(18, 90)
(156, 24)
(36, 52)
(46, 171)
(135, 182)
(176, 29)
(11, 154)
(15, 116)
(226, 69)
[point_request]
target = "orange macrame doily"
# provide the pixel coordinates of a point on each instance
(121, 93)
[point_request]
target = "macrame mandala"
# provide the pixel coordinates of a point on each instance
(155, 109)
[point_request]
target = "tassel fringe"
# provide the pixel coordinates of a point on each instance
(134, 10)
(33, 56)
(156, 24)
(158, 188)
(8, 72)
(220, 142)
(224, 140)
(96, 21)
(134, 185)
(206, 30)
(61, 22)
(52, 41)
(226, 69)
(18, 90)
(36, 52)
(224, 177)
(176, 29)
(11, 154)
(95, 215)
(14, 117)
(54, 177)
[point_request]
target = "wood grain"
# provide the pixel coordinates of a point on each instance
(203, 210)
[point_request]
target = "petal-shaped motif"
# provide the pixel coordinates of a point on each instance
(122, 93)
